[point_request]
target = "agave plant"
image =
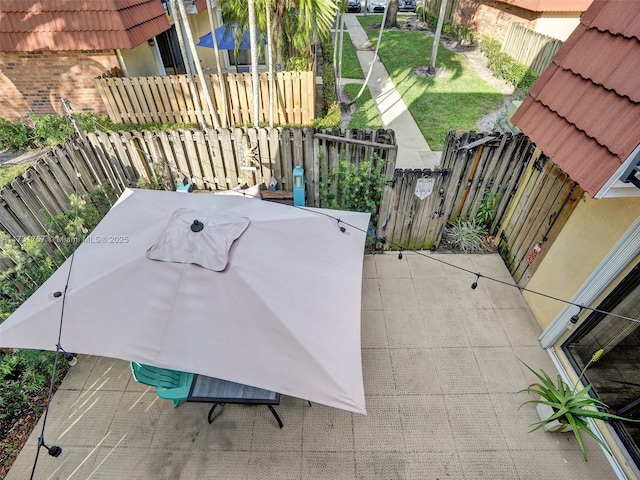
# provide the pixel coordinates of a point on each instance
(571, 407)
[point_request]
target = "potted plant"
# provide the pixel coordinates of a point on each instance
(569, 406)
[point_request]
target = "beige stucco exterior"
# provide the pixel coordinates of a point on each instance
(588, 236)
(557, 24)
(139, 61)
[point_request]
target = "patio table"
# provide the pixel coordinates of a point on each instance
(217, 391)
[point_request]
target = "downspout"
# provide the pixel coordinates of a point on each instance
(123, 67)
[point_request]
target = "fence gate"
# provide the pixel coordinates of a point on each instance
(417, 204)
(534, 198)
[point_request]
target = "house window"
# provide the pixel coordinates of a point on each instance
(242, 60)
(170, 52)
(616, 375)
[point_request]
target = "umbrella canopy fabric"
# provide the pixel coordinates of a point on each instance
(283, 312)
(226, 39)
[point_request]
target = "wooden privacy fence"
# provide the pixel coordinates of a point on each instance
(535, 198)
(211, 159)
(169, 100)
(530, 48)
(433, 7)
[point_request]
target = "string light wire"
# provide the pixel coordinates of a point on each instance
(54, 450)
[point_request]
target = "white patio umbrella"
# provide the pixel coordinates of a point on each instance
(275, 305)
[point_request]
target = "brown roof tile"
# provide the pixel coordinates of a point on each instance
(584, 111)
(567, 146)
(618, 17)
(28, 25)
(606, 116)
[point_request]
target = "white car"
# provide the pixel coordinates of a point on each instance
(376, 6)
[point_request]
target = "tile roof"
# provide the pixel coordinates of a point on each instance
(550, 5)
(32, 25)
(584, 111)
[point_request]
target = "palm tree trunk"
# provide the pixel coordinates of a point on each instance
(436, 40)
(221, 78)
(187, 63)
(270, 60)
(253, 40)
(196, 61)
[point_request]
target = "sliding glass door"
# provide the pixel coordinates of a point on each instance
(616, 376)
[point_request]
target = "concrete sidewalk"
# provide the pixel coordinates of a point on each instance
(441, 372)
(413, 149)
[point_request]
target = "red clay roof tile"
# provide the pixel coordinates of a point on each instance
(584, 111)
(567, 146)
(28, 25)
(618, 17)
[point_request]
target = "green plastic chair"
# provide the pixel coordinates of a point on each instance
(170, 384)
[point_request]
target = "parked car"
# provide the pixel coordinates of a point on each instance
(376, 6)
(407, 5)
(354, 6)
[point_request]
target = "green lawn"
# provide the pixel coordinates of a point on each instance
(453, 101)
(350, 64)
(367, 115)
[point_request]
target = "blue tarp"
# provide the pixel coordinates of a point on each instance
(226, 40)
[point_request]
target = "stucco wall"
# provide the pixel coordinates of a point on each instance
(33, 82)
(558, 25)
(139, 61)
(199, 27)
(593, 229)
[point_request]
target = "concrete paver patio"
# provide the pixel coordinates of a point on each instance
(441, 373)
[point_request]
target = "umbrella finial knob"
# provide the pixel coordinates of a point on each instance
(197, 226)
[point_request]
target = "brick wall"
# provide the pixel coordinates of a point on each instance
(491, 18)
(33, 82)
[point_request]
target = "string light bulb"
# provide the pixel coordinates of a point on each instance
(53, 450)
(575, 317)
(474, 285)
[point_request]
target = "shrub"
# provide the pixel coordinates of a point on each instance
(15, 136)
(50, 130)
(504, 66)
(298, 64)
(329, 95)
(354, 187)
(458, 32)
(53, 130)
(487, 208)
(25, 374)
(332, 119)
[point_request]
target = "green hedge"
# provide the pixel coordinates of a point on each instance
(448, 29)
(504, 66)
(53, 130)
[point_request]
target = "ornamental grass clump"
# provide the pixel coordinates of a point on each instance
(467, 236)
(571, 407)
